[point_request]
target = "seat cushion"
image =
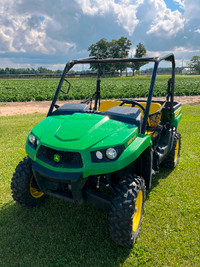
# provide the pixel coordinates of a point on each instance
(129, 115)
(71, 108)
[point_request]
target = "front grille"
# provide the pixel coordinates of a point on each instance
(66, 159)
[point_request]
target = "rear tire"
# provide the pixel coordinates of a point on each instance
(127, 210)
(172, 159)
(24, 187)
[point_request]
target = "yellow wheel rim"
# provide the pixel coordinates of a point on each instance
(138, 211)
(176, 151)
(34, 191)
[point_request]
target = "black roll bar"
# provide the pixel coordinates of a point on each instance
(99, 61)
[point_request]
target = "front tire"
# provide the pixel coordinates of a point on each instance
(24, 187)
(127, 210)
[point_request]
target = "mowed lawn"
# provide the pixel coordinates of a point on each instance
(59, 233)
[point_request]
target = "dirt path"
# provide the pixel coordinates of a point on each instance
(14, 108)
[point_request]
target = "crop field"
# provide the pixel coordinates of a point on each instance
(20, 90)
(58, 233)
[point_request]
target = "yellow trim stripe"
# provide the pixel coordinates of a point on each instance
(177, 113)
(131, 140)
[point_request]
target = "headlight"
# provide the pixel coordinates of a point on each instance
(32, 139)
(107, 154)
(99, 154)
(111, 153)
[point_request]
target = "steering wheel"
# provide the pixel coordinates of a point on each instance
(133, 103)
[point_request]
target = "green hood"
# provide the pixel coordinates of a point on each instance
(81, 131)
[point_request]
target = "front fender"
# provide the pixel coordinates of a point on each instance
(130, 154)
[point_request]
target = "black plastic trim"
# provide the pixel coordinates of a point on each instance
(46, 179)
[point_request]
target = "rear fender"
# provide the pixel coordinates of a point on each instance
(177, 115)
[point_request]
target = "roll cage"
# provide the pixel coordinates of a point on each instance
(98, 61)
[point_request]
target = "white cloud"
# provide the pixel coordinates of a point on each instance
(180, 2)
(163, 21)
(52, 32)
(27, 32)
(167, 23)
(182, 54)
(126, 16)
(93, 7)
(124, 11)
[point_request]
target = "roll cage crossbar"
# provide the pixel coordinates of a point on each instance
(98, 61)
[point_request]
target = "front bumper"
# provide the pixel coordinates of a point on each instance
(63, 185)
(68, 186)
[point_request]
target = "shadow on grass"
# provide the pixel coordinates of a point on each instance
(57, 233)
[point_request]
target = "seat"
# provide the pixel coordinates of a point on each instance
(154, 116)
(107, 104)
(129, 115)
(153, 108)
(71, 108)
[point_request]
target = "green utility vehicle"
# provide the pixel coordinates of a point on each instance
(102, 151)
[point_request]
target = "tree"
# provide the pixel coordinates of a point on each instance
(100, 50)
(140, 52)
(195, 64)
(120, 49)
(115, 49)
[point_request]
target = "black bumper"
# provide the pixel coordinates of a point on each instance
(68, 186)
(65, 185)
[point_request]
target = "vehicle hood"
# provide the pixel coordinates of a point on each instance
(82, 130)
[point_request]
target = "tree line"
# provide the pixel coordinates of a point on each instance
(39, 70)
(178, 70)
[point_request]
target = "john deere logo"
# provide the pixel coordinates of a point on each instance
(56, 158)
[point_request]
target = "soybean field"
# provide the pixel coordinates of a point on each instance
(41, 89)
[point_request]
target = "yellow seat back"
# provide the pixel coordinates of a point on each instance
(107, 104)
(153, 108)
(153, 120)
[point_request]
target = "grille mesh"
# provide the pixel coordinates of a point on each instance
(66, 159)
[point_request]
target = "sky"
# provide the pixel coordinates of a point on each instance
(49, 33)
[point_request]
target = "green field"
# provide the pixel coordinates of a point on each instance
(13, 90)
(59, 233)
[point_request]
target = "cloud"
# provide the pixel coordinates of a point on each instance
(191, 9)
(94, 7)
(27, 32)
(167, 23)
(163, 21)
(180, 2)
(51, 32)
(124, 11)
(182, 54)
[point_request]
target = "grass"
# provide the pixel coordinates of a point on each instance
(59, 233)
